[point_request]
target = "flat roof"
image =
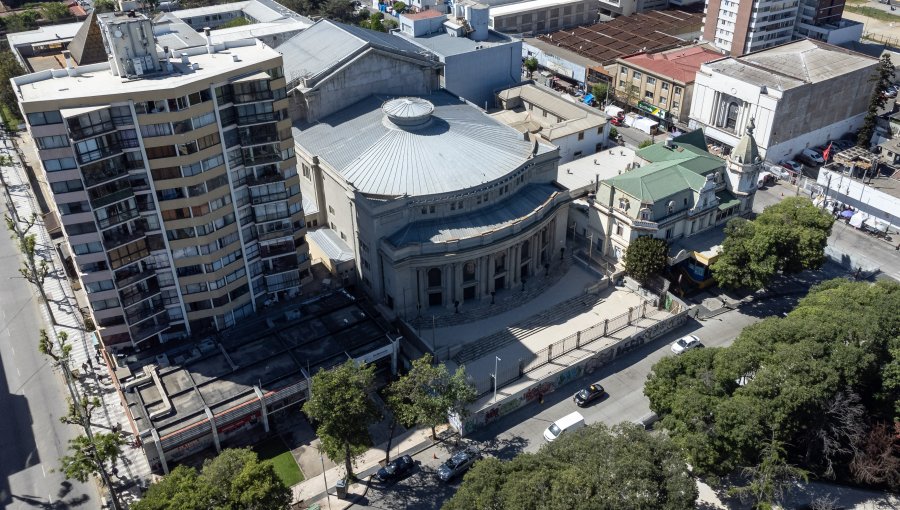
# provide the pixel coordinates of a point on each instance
(94, 81)
(273, 352)
(576, 117)
(257, 30)
(331, 244)
(581, 174)
(46, 34)
(503, 10)
(792, 64)
(627, 35)
(445, 45)
(430, 13)
(456, 148)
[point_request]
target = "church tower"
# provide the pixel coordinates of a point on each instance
(743, 166)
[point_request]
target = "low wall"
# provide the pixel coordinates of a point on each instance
(586, 365)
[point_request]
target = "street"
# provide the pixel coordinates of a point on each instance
(32, 399)
(522, 430)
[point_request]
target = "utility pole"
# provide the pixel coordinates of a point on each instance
(497, 361)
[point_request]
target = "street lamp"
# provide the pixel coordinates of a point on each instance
(497, 361)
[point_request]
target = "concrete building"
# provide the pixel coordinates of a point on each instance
(576, 129)
(661, 84)
(539, 16)
(797, 92)
(174, 180)
(466, 47)
(875, 200)
(674, 190)
(739, 28)
(579, 56)
(442, 204)
(254, 11)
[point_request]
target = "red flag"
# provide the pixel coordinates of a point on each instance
(827, 152)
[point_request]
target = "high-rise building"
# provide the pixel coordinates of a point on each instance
(174, 179)
(744, 26)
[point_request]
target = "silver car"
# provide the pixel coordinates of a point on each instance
(458, 463)
(685, 343)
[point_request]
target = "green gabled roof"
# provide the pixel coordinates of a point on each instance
(689, 149)
(656, 181)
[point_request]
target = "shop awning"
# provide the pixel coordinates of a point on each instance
(727, 200)
(588, 98)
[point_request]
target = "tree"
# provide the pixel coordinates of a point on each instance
(531, 64)
(884, 74)
(599, 90)
(9, 69)
(22, 21)
(375, 22)
(788, 237)
(613, 133)
(596, 468)
(812, 383)
(771, 477)
(234, 480)
(32, 270)
(645, 143)
(104, 6)
(399, 7)
(89, 456)
(54, 11)
(426, 394)
(341, 406)
(645, 258)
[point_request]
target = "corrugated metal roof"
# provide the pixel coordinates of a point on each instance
(459, 148)
(476, 223)
(331, 244)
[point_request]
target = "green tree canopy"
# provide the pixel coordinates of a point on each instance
(788, 237)
(428, 393)
(54, 11)
(882, 77)
(9, 69)
(399, 7)
(341, 407)
(599, 91)
(595, 468)
(645, 258)
(815, 382)
(88, 456)
(104, 6)
(234, 480)
(531, 64)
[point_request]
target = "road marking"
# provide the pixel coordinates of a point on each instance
(42, 471)
(17, 371)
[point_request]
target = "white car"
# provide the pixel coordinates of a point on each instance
(814, 156)
(685, 343)
(792, 166)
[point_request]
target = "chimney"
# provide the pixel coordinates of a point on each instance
(185, 59)
(68, 56)
(209, 45)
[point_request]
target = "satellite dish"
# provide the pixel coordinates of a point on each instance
(118, 33)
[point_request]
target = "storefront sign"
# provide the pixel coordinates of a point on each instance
(652, 110)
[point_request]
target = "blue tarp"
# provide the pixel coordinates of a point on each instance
(588, 98)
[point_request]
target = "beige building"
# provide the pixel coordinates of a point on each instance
(174, 179)
(660, 84)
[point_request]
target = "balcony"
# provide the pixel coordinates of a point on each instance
(252, 97)
(132, 275)
(273, 234)
(259, 118)
(99, 153)
(258, 139)
(266, 178)
(268, 197)
(145, 310)
(145, 331)
(139, 293)
(273, 216)
(113, 197)
(103, 172)
(262, 158)
(82, 132)
(284, 282)
(117, 237)
(120, 217)
(280, 265)
(278, 249)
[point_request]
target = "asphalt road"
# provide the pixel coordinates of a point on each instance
(522, 431)
(32, 398)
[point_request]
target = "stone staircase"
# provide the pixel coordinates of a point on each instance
(504, 301)
(555, 315)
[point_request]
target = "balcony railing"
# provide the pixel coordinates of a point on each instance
(99, 153)
(113, 239)
(145, 310)
(252, 97)
(259, 138)
(262, 218)
(113, 197)
(144, 331)
(82, 132)
(261, 159)
(259, 118)
(283, 283)
(268, 197)
(134, 295)
(276, 266)
(117, 218)
(102, 174)
(266, 178)
(127, 277)
(275, 250)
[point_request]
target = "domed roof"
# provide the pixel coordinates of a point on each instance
(408, 111)
(746, 151)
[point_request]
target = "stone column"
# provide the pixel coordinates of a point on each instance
(515, 262)
(489, 271)
(422, 288)
(458, 288)
(447, 285)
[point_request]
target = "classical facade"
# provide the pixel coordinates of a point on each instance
(441, 204)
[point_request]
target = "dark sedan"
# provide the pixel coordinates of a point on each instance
(396, 469)
(589, 394)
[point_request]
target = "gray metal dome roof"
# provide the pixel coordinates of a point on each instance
(408, 111)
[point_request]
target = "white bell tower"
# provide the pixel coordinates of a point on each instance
(743, 166)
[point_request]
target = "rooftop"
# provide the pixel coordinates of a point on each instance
(627, 35)
(260, 11)
(45, 34)
(331, 244)
(430, 13)
(581, 174)
(255, 30)
(445, 45)
(680, 64)
(792, 64)
(95, 80)
(324, 45)
(530, 5)
(575, 117)
(458, 147)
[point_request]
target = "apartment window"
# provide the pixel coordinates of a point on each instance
(57, 165)
(662, 101)
(43, 118)
(67, 186)
(637, 75)
(581, 135)
(330, 210)
(622, 84)
(161, 174)
(179, 103)
(678, 90)
(619, 229)
(651, 80)
(52, 142)
(99, 286)
(166, 151)
(121, 116)
(648, 95)
(81, 228)
(623, 71)
(84, 249)
(664, 85)
(675, 105)
(150, 107)
(104, 304)
(74, 208)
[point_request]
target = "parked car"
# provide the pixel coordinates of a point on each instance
(589, 394)
(890, 92)
(396, 469)
(779, 172)
(843, 145)
(685, 343)
(810, 157)
(458, 463)
(567, 424)
(792, 165)
(822, 149)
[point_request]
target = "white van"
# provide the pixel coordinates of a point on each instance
(567, 423)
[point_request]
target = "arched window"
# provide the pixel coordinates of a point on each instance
(671, 206)
(526, 249)
(731, 115)
(434, 277)
(469, 272)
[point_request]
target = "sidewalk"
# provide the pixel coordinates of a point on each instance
(313, 490)
(94, 377)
